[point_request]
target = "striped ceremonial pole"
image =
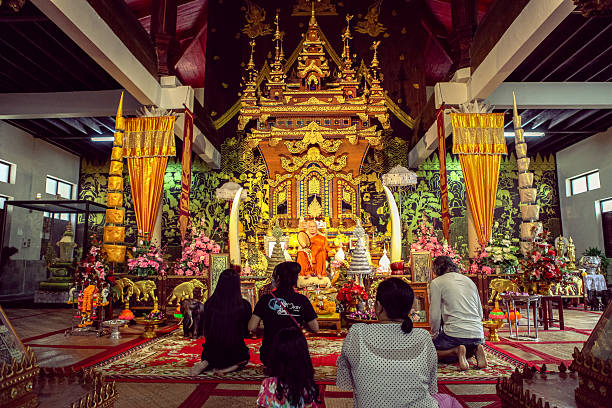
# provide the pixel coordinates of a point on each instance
(114, 229)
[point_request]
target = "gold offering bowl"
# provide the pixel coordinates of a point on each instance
(493, 326)
(150, 326)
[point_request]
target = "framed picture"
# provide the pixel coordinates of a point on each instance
(420, 265)
(218, 263)
(11, 347)
(420, 318)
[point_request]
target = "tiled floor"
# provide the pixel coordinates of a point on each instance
(32, 323)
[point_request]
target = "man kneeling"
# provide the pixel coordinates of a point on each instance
(455, 315)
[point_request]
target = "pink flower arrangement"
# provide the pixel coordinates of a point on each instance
(195, 258)
(427, 241)
(148, 260)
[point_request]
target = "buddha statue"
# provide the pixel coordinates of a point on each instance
(312, 256)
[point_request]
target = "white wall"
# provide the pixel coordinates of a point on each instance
(580, 215)
(34, 160)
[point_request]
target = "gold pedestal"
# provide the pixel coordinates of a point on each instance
(150, 326)
(493, 326)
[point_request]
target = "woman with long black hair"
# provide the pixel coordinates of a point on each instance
(390, 364)
(226, 316)
(291, 383)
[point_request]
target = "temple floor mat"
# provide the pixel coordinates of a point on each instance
(170, 357)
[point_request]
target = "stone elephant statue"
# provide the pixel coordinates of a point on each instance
(144, 290)
(123, 289)
(185, 290)
(193, 318)
(499, 285)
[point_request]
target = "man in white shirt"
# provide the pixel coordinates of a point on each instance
(455, 315)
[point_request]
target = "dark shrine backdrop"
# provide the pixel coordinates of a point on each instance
(248, 169)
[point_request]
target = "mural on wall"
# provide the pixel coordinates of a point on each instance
(248, 168)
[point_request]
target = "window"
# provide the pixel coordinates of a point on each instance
(606, 205)
(3, 199)
(58, 187)
(5, 172)
(583, 183)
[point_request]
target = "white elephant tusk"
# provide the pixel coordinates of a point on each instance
(234, 243)
(396, 232)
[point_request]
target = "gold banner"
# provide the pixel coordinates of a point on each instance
(114, 234)
(114, 253)
(478, 133)
(116, 168)
(115, 183)
(117, 153)
(114, 216)
(149, 137)
(114, 199)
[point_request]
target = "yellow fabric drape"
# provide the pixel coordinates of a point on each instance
(481, 174)
(147, 144)
(149, 137)
(147, 183)
(478, 133)
(478, 139)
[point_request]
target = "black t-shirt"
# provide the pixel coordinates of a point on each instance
(276, 318)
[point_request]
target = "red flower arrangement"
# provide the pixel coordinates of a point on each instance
(542, 265)
(351, 293)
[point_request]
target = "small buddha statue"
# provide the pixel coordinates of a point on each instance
(571, 254)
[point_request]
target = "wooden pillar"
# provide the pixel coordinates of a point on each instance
(465, 21)
(163, 34)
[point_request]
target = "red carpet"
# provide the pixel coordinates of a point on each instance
(169, 359)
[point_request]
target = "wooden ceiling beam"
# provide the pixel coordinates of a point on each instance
(573, 57)
(129, 30)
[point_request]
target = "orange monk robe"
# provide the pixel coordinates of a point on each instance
(319, 249)
(304, 261)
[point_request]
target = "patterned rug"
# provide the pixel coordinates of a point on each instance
(169, 358)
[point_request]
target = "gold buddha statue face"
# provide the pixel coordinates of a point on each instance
(311, 227)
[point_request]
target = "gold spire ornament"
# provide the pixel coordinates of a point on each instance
(346, 36)
(114, 230)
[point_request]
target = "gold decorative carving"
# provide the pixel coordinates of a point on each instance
(114, 234)
(16, 381)
(313, 101)
(114, 253)
(375, 142)
(349, 177)
(116, 168)
(115, 183)
(279, 179)
(322, 8)
(384, 120)
(314, 155)
(255, 16)
(242, 121)
(370, 24)
(312, 138)
(114, 199)
(274, 141)
(352, 138)
(115, 216)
